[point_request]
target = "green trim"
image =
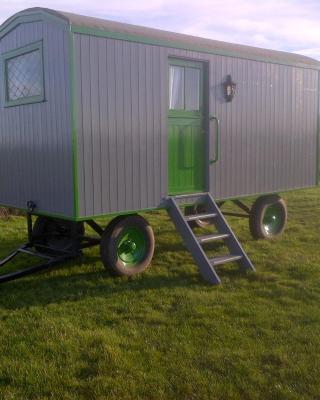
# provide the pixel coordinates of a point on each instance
(244, 196)
(16, 53)
(144, 210)
(27, 17)
(182, 113)
(163, 206)
(177, 45)
(187, 191)
(182, 62)
(74, 128)
(24, 101)
(115, 214)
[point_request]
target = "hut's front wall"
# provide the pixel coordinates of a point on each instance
(35, 139)
(268, 131)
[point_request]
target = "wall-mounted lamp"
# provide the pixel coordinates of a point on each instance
(229, 88)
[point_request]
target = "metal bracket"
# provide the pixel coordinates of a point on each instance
(27, 249)
(217, 145)
(51, 255)
(243, 207)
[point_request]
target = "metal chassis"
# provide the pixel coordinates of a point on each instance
(240, 205)
(54, 256)
(51, 256)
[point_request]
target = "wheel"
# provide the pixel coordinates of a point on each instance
(57, 234)
(197, 209)
(268, 217)
(127, 245)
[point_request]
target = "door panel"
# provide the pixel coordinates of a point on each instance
(186, 144)
(185, 127)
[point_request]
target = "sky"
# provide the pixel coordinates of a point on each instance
(289, 25)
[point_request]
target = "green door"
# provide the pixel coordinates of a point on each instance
(186, 127)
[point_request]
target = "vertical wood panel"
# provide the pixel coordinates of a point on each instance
(95, 124)
(35, 139)
(86, 113)
(127, 129)
(263, 129)
(79, 114)
(103, 124)
(120, 134)
(150, 131)
(111, 77)
(135, 166)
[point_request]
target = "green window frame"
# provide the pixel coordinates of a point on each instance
(6, 58)
(191, 65)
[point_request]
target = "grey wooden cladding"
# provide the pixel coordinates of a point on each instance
(268, 132)
(35, 139)
(121, 124)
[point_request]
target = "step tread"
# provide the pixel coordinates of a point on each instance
(187, 195)
(225, 259)
(211, 237)
(194, 217)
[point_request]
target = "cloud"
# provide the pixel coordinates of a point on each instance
(290, 25)
(314, 52)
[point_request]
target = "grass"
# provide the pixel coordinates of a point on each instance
(77, 333)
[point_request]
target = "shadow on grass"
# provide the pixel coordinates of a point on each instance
(86, 277)
(47, 290)
(61, 284)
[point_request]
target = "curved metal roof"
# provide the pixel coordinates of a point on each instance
(96, 26)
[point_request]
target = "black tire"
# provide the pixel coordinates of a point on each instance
(107, 232)
(113, 255)
(197, 209)
(112, 224)
(57, 234)
(268, 217)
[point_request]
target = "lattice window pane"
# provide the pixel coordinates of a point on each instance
(24, 76)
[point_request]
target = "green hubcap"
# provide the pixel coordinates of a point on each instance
(131, 247)
(272, 219)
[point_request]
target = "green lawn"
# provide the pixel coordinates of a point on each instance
(77, 333)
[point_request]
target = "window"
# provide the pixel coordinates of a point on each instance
(23, 73)
(184, 88)
(192, 89)
(176, 82)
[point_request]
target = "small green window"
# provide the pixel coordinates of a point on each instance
(184, 88)
(23, 75)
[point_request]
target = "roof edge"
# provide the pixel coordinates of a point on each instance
(196, 48)
(30, 15)
(134, 33)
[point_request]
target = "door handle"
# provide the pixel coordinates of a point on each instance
(217, 144)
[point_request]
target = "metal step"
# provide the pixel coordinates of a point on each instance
(194, 243)
(188, 195)
(195, 217)
(211, 237)
(207, 271)
(225, 259)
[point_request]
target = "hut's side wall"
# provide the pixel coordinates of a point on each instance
(35, 139)
(121, 125)
(268, 132)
